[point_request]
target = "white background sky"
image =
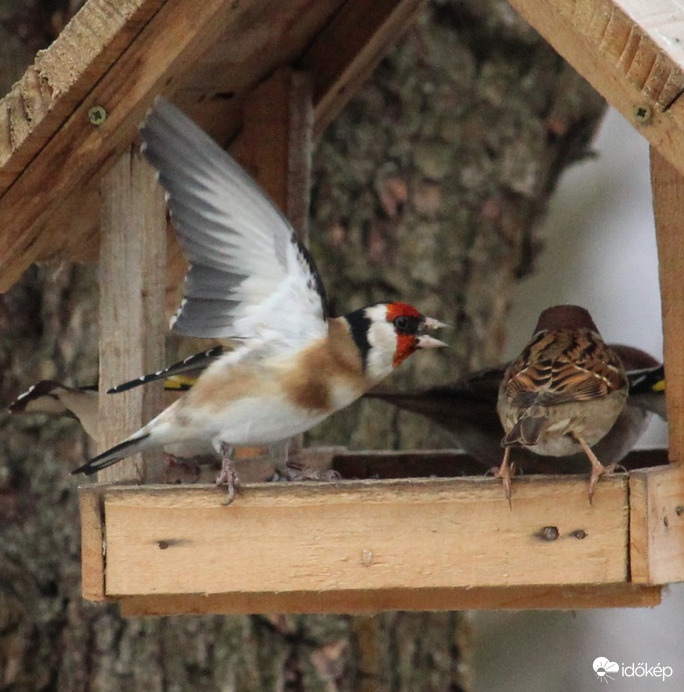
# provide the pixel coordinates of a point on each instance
(600, 253)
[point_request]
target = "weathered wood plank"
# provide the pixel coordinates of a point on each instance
(471, 598)
(668, 205)
(166, 56)
(637, 67)
(92, 545)
(365, 535)
(61, 76)
(163, 52)
(132, 306)
(657, 525)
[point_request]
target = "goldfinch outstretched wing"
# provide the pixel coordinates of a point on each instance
(249, 277)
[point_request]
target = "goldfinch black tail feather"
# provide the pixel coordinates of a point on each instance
(193, 364)
(116, 453)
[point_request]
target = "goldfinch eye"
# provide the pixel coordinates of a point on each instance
(406, 325)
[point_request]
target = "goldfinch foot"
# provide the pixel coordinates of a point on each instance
(303, 472)
(228, 475)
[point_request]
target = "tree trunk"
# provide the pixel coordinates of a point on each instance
(428, 187)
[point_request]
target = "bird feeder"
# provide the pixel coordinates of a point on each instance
(365, 545)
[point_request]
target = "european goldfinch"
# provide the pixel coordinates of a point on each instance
(252, 281)
(563, 393)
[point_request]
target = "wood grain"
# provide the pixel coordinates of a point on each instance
(667, 183)
(92, 545)
(61, 77)
(132, 307)
(163, 51)
(360, 535)
(211, 55)
(657, 525)
(627, 54)
(359, 601)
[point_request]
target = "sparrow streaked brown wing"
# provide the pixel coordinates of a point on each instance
(563, 393)
(466, 408)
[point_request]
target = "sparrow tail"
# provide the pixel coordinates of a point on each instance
(116, 453)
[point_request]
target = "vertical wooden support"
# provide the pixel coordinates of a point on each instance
(656, 495)
(132, 317)
(668, 207)
(276, 142)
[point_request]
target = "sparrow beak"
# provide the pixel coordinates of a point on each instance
(432, 323)
(426, 341)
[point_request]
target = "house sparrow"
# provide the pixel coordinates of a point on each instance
(563, 393)
(251, 280)
(466, 408)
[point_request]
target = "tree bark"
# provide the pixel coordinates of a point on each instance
(429, 187)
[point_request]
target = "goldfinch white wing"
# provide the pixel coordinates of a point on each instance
(249, 277)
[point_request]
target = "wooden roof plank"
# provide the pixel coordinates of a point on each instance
(80, 151)
(628, 53)
(62, 75)
(36, 219)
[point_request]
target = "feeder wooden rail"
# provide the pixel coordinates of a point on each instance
(372, 545)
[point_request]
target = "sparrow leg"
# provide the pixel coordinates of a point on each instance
(228, 475)
(504, 472)
(597, 468)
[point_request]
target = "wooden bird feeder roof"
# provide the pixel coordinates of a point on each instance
(70, 188)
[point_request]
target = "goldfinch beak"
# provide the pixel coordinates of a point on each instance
(432, 323)
(427, 341)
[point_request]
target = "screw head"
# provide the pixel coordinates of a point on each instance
(97, 115)
(643, 113)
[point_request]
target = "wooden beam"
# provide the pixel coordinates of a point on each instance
(630, 51)
(657, 525)
(668, 205)
(471, 598)
(276, 143)
(132, 302)
(70, 152)
(345, 53)
(364, 535)
(47, 94)
(84, 146)
(92, 546)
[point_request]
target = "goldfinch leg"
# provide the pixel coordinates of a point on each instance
(504, 472)
(228, 476)
(597, 468)
(184, 468)
(278, 454)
